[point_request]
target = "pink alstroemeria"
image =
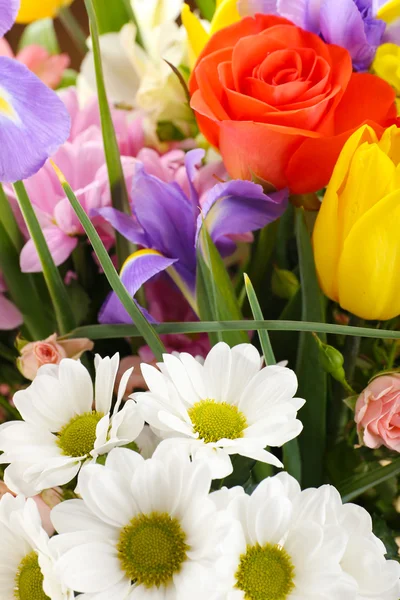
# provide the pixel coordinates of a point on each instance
(10, 317)
(49, 68)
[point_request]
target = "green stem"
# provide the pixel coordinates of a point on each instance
(55, 285)
(119, 193)
(73, 28)
(392, 355)
(9, 222)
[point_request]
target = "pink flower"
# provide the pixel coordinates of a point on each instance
(378, 413)
(44, 501)
(49, 68)
(10, 317)
(50, 351)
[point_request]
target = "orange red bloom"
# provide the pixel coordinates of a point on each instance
(280, 103)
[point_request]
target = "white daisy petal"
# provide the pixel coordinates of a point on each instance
(246, 363)
(106, 372)
(77, 386)
(122, 388)
(217, 371)
(195, 371)
(178, 374)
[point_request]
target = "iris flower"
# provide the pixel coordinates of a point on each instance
(166, 222)
(33, 120)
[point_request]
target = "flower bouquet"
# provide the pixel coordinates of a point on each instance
(199, 300)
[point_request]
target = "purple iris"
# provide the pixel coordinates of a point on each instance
(166, 221)
(33, 120)
(347, 23)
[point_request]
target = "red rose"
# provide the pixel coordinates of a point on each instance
(280, 103)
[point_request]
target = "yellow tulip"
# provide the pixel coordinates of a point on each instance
(390, 11)
(387, 64)
(33, 10)
(226, 13)
(356, 236)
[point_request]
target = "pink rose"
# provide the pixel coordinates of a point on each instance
(378, 413)
(50, 351)
(44, 501)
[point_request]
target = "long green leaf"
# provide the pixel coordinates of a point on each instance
(119, 193)
(224, 304)
(355, 486)
(9, 222)
(257, 315)
(58, 293)
(74, 29)
(312, 377)
(204, 292)
(143, 327)
(22, 290)
(111, 15)
(104, 332)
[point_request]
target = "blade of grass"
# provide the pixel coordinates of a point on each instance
(58, 293)
(73, 28)
(144, 328)
(311, 375)
(355, 486)
(22, 290)
(257, 315)
(104, 332)
(9, 222)
(119, 193)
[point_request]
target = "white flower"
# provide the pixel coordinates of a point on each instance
(278, 550)
(363, 560)
(26, 561)
(63, 428)
(227, 406)
(147, 528)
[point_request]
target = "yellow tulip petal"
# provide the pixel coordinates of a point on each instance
(197, 35)
(369, 179)
(369, 269)
(389, 11)
(387, 64)
(390, 143)
(33, 10)
(328, 230)
(226, 14)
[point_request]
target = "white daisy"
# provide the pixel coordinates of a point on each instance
(363, 561)
(64, 426)
(26, 561)
(279, 550)
(228, 405)
(144, 529)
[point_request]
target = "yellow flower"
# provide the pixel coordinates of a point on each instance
(33, 10)
(356, 236)
(225, 14)
(390, 11)
(387, 64)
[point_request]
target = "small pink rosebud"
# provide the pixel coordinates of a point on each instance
(50, 351)
(378, 413)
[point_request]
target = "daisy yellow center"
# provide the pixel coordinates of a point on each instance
(152, 548)
(29, 580)
(214, 421)
(78, 436)
(265, 573)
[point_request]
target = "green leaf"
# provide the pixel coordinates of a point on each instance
(257, 315)
(119, 193)
(382, 530)
(355, 486)
(111, 15)
(204, 293)
(312, 377)
(143, 327)
(9, 222)
(104, 332)
(40, 33)
(207, 8)
(22, 289)
(224, 303)
(74, 29)
(80, 301)
(55, 285)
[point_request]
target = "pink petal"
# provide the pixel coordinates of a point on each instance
(60, 246)
(10, 317)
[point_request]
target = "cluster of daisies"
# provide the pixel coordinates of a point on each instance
(140, 519)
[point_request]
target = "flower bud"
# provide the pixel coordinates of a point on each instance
(284, 283)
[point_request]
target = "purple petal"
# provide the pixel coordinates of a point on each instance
(10, 317)
(238, 207)
(342, 23)
(60, 245)
(166, 215)
(124, 224)
(192, 160)
(392, 33)
(8, 13)
(137, 269)
(33, 122)
(304, 13)
(251, 7)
